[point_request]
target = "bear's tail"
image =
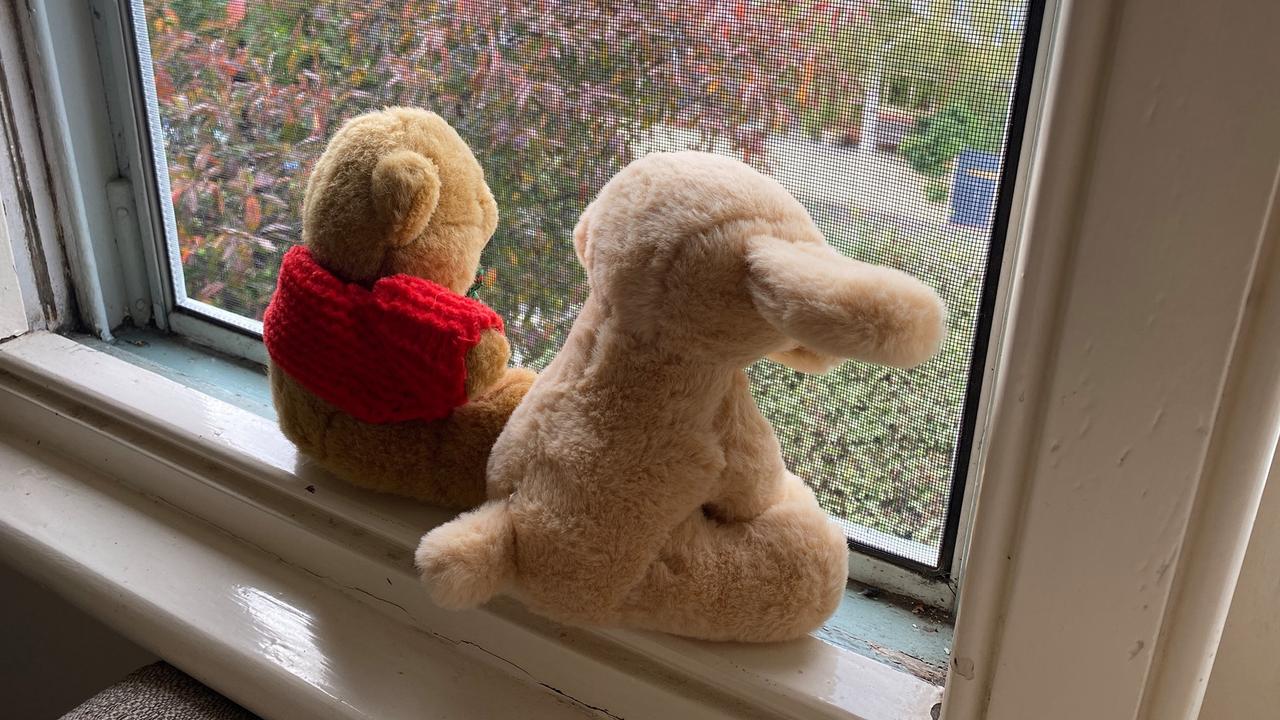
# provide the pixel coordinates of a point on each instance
(471, 558)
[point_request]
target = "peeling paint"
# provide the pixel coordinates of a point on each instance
(26, 186)
(1137, 648)
(1124, 455)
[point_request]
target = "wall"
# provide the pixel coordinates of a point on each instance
(52, 655)
(1245, 682)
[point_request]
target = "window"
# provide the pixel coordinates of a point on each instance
(893, 121)
(1113, 460)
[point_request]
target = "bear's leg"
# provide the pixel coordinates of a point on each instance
(775, 577)
(467, 437)
(441, 463)
(303, 417)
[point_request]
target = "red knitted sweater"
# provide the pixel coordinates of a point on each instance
(393, 352)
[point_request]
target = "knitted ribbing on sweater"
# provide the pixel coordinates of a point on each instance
(393, 352)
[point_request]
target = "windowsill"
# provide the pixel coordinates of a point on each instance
(210, 450)
(893, 630)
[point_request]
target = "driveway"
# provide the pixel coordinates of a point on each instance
(822, 174)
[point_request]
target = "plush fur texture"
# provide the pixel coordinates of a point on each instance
(398, 191)
(638, 484)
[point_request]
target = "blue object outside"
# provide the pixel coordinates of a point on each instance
(974, 188)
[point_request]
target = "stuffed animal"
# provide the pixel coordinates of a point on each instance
(381, 368)
(638, 484)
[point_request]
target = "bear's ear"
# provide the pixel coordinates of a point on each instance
(406, 189)
(831, 305)
(582, 240)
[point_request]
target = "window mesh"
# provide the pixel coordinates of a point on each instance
(886, 118)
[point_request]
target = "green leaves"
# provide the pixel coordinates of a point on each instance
(937, 139)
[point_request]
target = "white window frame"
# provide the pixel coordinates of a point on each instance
(27, 186)
(1122, 365)
(1095, 502)
(1244, 677)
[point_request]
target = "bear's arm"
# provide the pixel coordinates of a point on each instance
(486, 362)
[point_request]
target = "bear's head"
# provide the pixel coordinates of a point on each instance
(398, 191)
(701, 253)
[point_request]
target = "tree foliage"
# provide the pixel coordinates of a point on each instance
(955, 63)
(938, 138)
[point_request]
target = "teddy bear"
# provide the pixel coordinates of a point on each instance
(638, 485)
(381, 368)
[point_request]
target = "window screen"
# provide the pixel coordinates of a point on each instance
(888, 119)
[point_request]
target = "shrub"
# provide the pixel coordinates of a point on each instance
(937, 139)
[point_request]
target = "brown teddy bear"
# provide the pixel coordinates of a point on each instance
(381, 368)
(638, 484)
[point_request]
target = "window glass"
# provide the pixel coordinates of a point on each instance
(886, 118)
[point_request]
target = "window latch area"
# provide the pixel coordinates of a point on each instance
(124, 226)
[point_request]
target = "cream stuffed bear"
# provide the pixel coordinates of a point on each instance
(637, 484)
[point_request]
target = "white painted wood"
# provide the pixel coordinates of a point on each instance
(223, 339)
(1152, 180)
(1241, 452)
(234, 470)
(123, 103)
(270, 636)
(33, 223)
(896, 579)
(77, 144)
(124, 221)
(1074, 40)
(1016, 235)
(1245, 680)
(13, 313)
